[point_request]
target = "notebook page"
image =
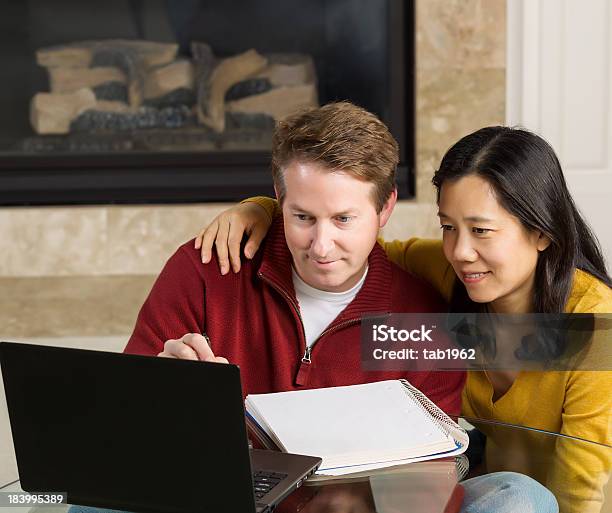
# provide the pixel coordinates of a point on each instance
(355, 424)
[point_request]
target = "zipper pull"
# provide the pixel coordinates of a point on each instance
(302, 376)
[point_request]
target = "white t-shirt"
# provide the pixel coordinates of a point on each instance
(319, 308)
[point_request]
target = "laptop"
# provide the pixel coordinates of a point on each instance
(139, 433)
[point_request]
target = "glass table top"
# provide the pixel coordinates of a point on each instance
(577, 471)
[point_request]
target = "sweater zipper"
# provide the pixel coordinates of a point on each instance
(305, 365)
(301, 377)
(306, 358)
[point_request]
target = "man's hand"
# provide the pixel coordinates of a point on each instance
(191, 346)
(226, 232)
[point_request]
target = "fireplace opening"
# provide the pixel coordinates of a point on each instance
(175, 100)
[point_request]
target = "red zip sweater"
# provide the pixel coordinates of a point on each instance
(253, 320)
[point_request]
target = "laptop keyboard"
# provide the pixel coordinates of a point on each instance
(264, 481)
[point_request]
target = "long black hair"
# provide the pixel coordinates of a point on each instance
(528, 181)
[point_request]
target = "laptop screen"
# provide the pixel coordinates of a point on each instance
(128, 432)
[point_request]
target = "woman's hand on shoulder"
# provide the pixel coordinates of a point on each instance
(226, 230)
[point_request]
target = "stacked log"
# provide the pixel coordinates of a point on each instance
(119, 85)
(53, 113)
(112, 78)
(216, 76)
(292, 87)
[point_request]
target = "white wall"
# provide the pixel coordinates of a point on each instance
(559, 84)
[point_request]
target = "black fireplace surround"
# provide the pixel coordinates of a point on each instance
(363, 51)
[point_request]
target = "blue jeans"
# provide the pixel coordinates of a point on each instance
(507, 492)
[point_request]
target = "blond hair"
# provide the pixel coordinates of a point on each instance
(342, 137)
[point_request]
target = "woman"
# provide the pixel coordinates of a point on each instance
(517, 244)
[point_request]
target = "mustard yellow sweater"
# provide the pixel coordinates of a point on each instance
(575, 403)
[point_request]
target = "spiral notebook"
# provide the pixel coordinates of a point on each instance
(356, 428)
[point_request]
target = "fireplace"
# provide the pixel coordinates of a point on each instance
(167, 101)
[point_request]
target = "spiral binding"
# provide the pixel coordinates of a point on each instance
(443, 421)
(463, 465)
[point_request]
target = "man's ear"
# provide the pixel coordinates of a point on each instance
(387, 209)
(276, 193)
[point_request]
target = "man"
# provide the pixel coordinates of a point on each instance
(291, 317)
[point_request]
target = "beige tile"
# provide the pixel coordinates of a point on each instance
(8, 468)
(142, 238)
(111, 343)
(53, 241)
(450, 105)
(412, 219)
(71, 306)
(461, 34)
(427, 162)
(126, 296)
(453, 103)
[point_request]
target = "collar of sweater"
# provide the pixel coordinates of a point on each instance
(373, 298)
